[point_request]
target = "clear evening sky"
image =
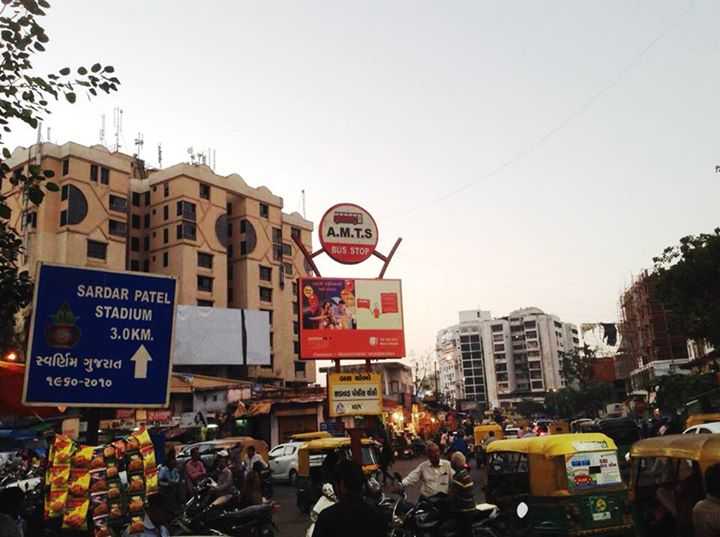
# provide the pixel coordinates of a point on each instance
(393, 105)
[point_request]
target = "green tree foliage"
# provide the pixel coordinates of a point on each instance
(689, 286)
(25, 98)
(528, 407)
(674, 390)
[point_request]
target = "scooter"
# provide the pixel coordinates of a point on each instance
(327, 499)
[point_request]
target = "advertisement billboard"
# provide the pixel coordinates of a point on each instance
(351, 318)
(354, 394)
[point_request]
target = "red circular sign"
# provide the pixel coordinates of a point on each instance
(348, 233)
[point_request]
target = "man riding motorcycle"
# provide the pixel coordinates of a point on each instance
(433, 474)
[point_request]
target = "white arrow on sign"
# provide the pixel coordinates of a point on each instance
(141, 359)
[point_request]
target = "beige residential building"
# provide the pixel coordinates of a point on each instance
(229, 244)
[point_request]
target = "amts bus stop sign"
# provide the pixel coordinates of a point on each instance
(348, 233)
(100, 338)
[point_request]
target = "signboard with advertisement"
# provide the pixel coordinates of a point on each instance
(100, 338)
(348, 233)
(354, 394)
(592, 469)
(351, 318)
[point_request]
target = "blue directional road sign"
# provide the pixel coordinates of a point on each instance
(100, 338)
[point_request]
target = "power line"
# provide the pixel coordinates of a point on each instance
(559, 127)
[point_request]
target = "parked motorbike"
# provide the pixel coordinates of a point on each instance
(203, 516)
(431, 517)
(327, 499)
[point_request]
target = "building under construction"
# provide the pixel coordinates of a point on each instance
(647, 336)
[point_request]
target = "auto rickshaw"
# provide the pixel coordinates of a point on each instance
(566, 484)
(667, 480)
(559, 427)
(480, 434)
(306, 437)
(316, 460)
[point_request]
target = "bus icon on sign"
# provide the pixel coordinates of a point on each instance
(347, 218)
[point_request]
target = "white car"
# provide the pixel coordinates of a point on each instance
(704, 428)
(284, 461)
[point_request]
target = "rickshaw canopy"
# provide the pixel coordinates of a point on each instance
(317, 435)
(555, 445)
(480, 432)
(703, 448)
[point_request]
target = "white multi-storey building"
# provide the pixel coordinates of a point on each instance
(497, 362)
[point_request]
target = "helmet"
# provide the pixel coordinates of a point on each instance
(223, 454)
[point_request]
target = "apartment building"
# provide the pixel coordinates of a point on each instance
(508, 358)
(229, 244)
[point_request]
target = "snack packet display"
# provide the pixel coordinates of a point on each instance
(136, 525)
(76, 510)
(58, 475)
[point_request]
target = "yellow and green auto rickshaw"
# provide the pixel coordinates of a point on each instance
(317, 458)
(481, 434)
(566, 485)
(667, 480)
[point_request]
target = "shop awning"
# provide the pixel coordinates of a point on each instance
(12, 376)
(256, 409)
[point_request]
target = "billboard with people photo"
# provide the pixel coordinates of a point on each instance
(351, 318)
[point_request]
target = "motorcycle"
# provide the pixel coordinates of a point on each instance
(202, 516)
(327, 499)
(431, 517)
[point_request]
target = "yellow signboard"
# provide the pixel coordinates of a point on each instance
(354, 394)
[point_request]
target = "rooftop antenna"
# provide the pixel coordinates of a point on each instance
(139, 143)
(159, 155)
(117, 123)
(102, 130)
(192, 155)
(303, 202)
(48, 135)
(214, 159)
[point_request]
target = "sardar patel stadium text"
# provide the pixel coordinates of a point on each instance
(124, 313)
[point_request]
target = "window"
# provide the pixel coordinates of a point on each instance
(296, 327)
(229, 251)
(229, 229)
(296, 348)
(228, 208)
(136, 221)
(166, 212)
(265, 273)
(497, 328)
(135, 244)
(205, 303)
(230, 272)
(63, 218)
(277, 244)
(498, 337)
(165, 259)
(64, 192)
(136, 199)
(295, 232)
(499, 348)
(165, 235)
(296, 308)
(204, 191)
(147, 198)
(146, 266)
(394, 386)
(146, 244)
(277, 235)
(117, 228)
(265, 294)
(166, 189)
(147, 221)
(186, 210)
(286, 249)
(66, 166)
(264, 210)
(205, 283)
(93, 172)
(135, 265)
(270, 315)
(288, 269)
(30, 220)
(96, 250)
(186, 230)
(299, 369)
(205, 260)
(104, 176)
(295, 288)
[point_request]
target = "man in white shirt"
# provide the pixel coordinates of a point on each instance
(251, 458)
(434, 475)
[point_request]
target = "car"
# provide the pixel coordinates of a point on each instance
(704, 428)
(284, 461)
